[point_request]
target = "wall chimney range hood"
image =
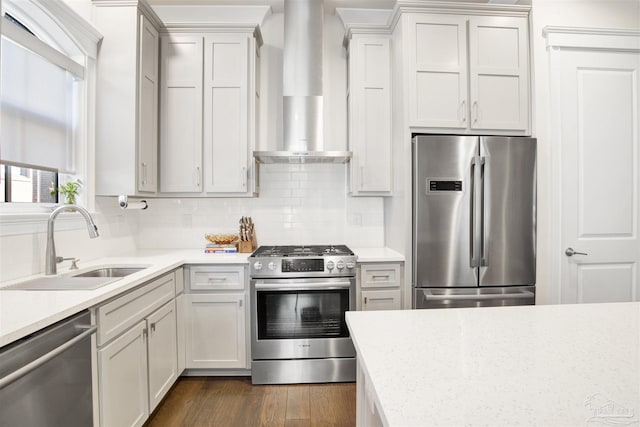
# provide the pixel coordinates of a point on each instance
(302, 88)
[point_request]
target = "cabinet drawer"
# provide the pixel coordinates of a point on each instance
(381, 300)
(216, 278)
(120, 314)
(380, 275)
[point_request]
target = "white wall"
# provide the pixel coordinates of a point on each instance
(298, 204)
(574, 13)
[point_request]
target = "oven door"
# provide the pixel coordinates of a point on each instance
(301, 318)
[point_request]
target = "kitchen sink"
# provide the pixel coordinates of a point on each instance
(85, 281)
(110, 272)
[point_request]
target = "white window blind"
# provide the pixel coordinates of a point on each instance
(37, 100)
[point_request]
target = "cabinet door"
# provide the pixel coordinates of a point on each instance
(163, 354)
(122, 367)
(148, 107)
(181, 114)
(370, 115)
(438, 71)
(215, 331)
(226, 120)
(380, 300)
(498, 73)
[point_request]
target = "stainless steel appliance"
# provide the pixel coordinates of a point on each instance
(474, 228)
(299, 296)
(45, 378)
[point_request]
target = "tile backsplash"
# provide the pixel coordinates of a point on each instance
(298, 204)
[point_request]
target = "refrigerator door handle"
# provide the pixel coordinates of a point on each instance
(430, 296)
(484, 261)
(473, 259)
(477, 207)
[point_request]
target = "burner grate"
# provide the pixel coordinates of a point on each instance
(302, 251)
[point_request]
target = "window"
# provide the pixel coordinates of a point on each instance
(19, 184)
(40, 103)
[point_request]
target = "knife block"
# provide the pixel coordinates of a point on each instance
(248, 246)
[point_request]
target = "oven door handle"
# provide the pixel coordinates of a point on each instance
(309, 286)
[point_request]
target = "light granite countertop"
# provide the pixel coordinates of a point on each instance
(560, 365)
(23, 312)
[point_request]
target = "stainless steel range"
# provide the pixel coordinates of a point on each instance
(299, 296)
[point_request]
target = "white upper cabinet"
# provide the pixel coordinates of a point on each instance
(148, 107)
(468, 74)
(208, 110)
(498, 73)
(226, 112)
(438, 64)
(181, 114)
(369, 110)
(127, 90)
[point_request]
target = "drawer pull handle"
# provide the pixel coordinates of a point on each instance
(217, 279)
(380, 277)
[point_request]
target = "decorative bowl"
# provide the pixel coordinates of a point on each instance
(222, 239)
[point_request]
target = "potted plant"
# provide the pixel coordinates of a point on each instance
(69, 190)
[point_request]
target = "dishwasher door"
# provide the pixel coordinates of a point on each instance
(45, 378)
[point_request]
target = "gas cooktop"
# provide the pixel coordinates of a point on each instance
(302, 261)
(302, 251)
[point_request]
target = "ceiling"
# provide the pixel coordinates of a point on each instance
(329, 5)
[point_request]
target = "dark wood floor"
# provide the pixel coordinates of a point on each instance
(233, 401)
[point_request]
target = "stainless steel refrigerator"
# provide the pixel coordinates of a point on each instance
(474, 221)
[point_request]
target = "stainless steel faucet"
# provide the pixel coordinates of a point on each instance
(50, 263)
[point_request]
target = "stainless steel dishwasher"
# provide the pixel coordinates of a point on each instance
(45, 378)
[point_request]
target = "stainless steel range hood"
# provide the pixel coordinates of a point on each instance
(302, 88)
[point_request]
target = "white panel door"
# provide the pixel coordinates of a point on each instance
(600, 183)
(163, 352)
(215, 332)
(498, 73)
(226, 120)
(370, 115)
(122, 379)
(181, 114)
(438, 63)
(148, 107)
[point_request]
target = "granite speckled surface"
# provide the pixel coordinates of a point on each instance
(554, 365)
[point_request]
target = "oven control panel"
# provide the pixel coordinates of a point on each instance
(302, 267)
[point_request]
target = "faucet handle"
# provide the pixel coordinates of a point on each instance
(74, 262)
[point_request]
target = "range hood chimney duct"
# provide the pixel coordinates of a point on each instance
(302, 88)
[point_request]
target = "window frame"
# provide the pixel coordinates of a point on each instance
(82, 40)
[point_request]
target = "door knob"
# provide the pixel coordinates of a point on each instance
(571, 252)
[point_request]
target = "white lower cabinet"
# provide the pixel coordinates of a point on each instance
(379, 286)
(162, 354)
(123, 379)
(137, 352)
(215, 331)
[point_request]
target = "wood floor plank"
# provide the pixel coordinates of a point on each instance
(298, 402)
(297, 423)
(176, 406)
(234, 401)
(274, 406)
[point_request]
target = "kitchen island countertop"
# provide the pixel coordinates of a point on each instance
(532, 365)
